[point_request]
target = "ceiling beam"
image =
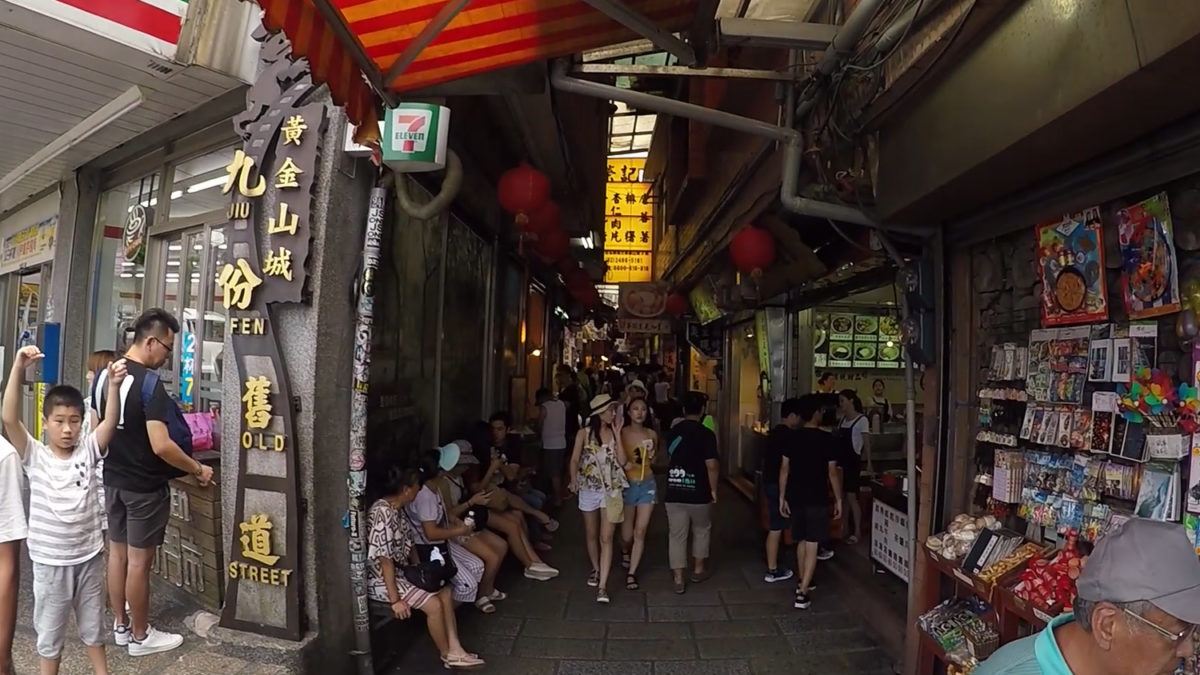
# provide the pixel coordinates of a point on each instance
(736, 32)
(635, 21)
(413, 49)
(660, 71)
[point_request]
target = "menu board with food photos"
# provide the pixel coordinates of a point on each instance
(844, 340)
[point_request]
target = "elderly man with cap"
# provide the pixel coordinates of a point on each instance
(1137, 609)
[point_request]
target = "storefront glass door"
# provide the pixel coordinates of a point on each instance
(190, 263)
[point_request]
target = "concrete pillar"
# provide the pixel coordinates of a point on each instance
(316, 341)
(70, 275)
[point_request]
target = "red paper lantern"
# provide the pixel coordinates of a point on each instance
(676, 304)
(752, 249)
(553, 245)
(523, 190)
(548, 217)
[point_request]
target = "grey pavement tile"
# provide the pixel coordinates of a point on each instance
(725, 581)
(602, 668)
(799, 665)
(614, 611)
(772, 594)
(649, 631)
(510, 665)
(826, 641)
(691, 598)
(803, 622)
(760, 610)
(490, 645)
(545, 628)
(491, 624)
(687, 614)
(544, 648)
(725, 667)
(546, 608)
(649, 650)
(869, 661)
(745, 647)
(734, 629)
(266, 669)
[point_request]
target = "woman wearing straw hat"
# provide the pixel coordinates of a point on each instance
(598, 479)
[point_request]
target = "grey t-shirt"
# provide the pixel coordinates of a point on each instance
(427, 507)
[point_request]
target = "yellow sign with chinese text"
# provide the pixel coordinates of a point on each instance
(628, 236)
(623, 266)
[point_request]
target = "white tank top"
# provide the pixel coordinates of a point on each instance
(554, 425)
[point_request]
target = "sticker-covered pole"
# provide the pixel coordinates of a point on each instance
(356, 517)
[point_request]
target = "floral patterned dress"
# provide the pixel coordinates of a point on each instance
(390, 536)
(599, 471)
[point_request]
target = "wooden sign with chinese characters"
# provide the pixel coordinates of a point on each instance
(271, 185)
(628, 222)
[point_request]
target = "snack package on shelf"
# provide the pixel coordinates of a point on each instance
(957, 625)
(1049, 583)
(958, 538)
(994, 572)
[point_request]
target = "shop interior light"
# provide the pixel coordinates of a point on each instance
(604, 358)
(205, 185)
(104, 116)
(537, 351)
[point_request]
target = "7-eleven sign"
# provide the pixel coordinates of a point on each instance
(414, 137)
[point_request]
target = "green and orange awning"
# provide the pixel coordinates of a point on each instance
(485, 35)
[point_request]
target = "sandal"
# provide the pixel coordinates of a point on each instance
(551, 525)
(702, 577)
(594, 579)
(679, 587)
(485, 605)
(631, 582)
(852, 540)
(602, 596)
(463, 661)
(497, 595)
(625, 560)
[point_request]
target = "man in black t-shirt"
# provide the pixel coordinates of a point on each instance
(692, 475)
(141, 460)
(779, 442)
(808, 470)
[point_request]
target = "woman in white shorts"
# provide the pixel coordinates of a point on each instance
(597, 477)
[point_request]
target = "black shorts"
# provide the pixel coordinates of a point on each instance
(810, 523)
(775, 520)
(138, 519)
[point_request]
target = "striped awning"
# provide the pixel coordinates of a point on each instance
(486, 35)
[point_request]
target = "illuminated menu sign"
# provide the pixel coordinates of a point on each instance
(628, 222)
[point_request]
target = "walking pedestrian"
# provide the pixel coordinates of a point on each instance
(641, 443)
(552, 423)
(692, 474)
(804, 494)
(65, 538)
(597, 477)
(853, 426)
(143, 459)
(779, 442)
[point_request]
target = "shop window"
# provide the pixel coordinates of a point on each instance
(125, 215)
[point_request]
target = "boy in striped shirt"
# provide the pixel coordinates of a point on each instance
(65, 538)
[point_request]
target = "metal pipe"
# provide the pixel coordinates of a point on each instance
(441, 316)
(839, 50)
(793, 141)
(897, 28)
(356, 517)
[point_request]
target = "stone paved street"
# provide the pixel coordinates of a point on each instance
(731, 624)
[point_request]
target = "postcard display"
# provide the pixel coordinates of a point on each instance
(1081, 430)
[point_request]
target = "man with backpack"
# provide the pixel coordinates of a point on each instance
(152, 445)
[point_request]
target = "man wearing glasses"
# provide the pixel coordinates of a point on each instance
(1137, 610)
(141, 460)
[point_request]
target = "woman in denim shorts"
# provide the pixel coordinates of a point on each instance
(642, 441)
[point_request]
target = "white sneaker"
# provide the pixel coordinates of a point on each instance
(156, 641)
(121, 634)
(538, 575)
(543, 568)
